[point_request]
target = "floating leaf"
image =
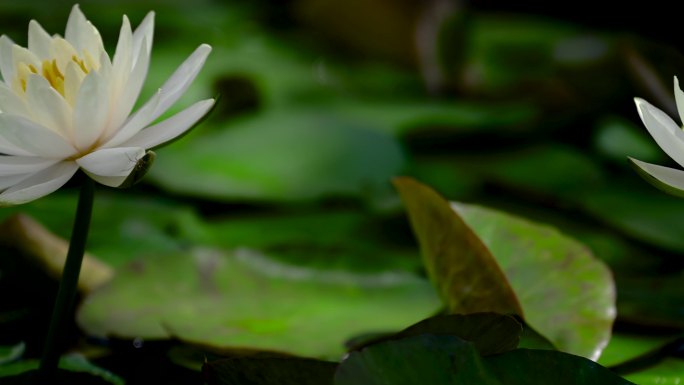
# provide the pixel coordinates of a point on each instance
(550, 170)
(75, 370)
(11, 353)
(669, 372)
(466, 275)
(528, 366)
(617, 137)
(566, 293)
(416, 360)
(623, 347)
(448, 360)
(638, 210)
(286, 237)
(245, 299)
(490, 333)
(454, 117)
(122, 227)
(326, 155)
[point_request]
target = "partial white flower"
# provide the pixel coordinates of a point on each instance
(65, 105)
(670, 137)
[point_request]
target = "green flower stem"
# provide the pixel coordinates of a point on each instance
(66, 295)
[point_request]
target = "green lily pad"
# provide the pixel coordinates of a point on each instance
(549, 170)
(287, 238)
(76, 369)
(669, 372)
(283, 156)
(528, 366)
(638, 210)
(565, 293)
(11, 353)
(246, 300)
(123, 227)
(454, 116)
(416, 360)
(490, 333)
(448, 360)
(623, 347)
(616, 138)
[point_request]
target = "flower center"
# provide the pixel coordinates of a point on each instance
(50, 71)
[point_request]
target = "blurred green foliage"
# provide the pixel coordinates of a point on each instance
(322, 102)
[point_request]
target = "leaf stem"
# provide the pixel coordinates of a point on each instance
(66, 295)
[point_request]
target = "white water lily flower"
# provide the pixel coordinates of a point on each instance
(670, 137)
(65, 105)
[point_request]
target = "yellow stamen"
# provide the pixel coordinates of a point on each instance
(80, 63)
(53, 75)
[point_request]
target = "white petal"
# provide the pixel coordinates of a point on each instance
(47, 106)
(667, 179)
(6, 61)
(30, 138)
(15, 165)
(663, 129)
(63, 52)
(9, 102)
(11, 180)
(170, 92)
(91, 111)
(73, 77)
(123, 56)
(105, 69)
(172, 127)
(129, 94)
(111, 162)
(23, 55)
(679, 97)
(82, 34)
(8, 148)
(39, 184)
(109, 181)
(142, 37)
(39, 41)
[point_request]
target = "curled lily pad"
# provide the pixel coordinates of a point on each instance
(466, 274)
(565, 293)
